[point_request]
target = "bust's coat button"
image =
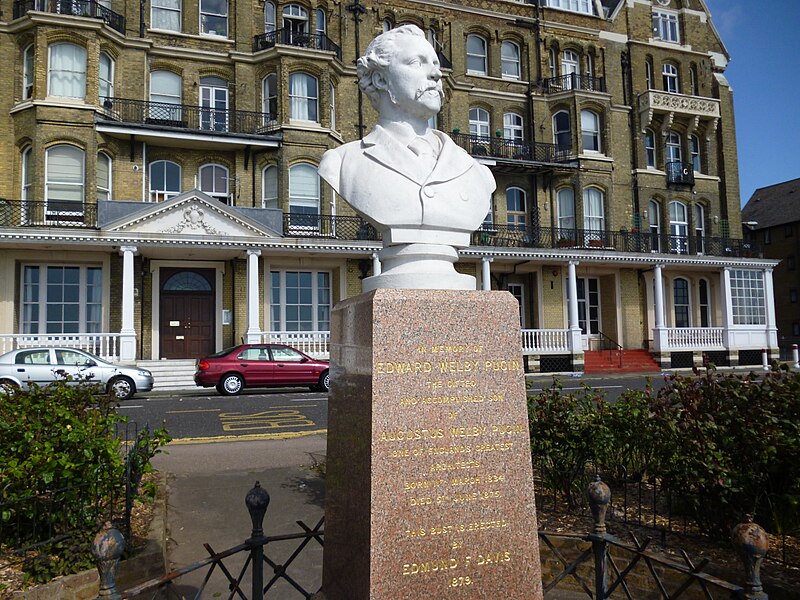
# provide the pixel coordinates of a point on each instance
(429, 191)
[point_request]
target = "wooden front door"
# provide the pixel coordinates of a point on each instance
(186, 324)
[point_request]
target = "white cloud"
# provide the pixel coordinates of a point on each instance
(727, 15)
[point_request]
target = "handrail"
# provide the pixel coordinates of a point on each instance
(76, 8)
(290, 37)
(607, 341)
(509, 149)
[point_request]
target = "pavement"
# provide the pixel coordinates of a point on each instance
(207, 484)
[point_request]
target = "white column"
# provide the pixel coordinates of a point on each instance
(127, 334)
(253, 314)
(486, 273)
(660, 343)
(572, 299)
(769, 293)
(376, 264)
(727, 308)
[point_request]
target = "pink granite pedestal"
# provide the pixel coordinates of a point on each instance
(429, 488)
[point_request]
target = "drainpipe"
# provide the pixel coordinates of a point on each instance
(358, 9)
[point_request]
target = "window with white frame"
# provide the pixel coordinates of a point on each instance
(269, 17)
(269, 187)
(103, 172)
(693, 83)
(295, 23)
(680, 302)
(509, 60)
(650, 148)
(332, 104)
(700, 228)
(648, 73)
(214, 17)
(551, 62)
(61, 299)
(705, 303)
(590, 131)
(748, 297)
(594, 218)
(213, 104)
(387, 25)
(214, 182)
(304, 196)
(673, 147)
(513, 127)
(665, 26)
(165, 14)
(565, 210)
(579, 6)
(27, 72)
(476, 55)
(165, 96)
(300, 301)
(27, 173)
(654, 219)
(165, 180)
(562, 133)
(669, 73)
(67, 71)
(515, 209)
(479, 122)
(694, 147)
(64, 179)
(678, 227)
(303, 97)
(105, 77)
(518, 291)
(570, 65)
(321, 22)
(269, 97)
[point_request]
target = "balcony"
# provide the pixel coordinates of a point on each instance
(289, 37)
(328, 226)
(691, 108)
(679, 173)
(76, 8)
(507, 236)
(56, 213)
(184, 116)
(511, 150)
(572, 81)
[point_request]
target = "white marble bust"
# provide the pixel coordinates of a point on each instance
(413, 183)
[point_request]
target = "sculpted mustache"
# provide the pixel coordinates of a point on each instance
(433, 88)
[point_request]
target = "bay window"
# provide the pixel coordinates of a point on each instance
(300, 300)
(61, 299)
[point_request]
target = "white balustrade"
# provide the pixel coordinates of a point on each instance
(102, 345)
(545, 341)
(314, 343)
(699, 338)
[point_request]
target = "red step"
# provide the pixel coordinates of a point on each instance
(633, 361)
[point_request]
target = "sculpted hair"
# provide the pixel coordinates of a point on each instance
(377, 57)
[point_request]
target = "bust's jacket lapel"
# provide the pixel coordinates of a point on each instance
(382, 147)
(453, 161)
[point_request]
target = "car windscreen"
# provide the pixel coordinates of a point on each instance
(222, 353)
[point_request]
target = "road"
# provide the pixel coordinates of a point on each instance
(195, 415)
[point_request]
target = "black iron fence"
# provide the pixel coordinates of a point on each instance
(572, 81)
(328, 226)
(290, 37)
(77, 8)
(498, 147)
(513, 236)
(680, 173)
(54, 213)
(185, 116)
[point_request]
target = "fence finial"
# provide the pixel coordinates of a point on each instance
(257, 501)
(599, 495)
(107, 549)
(752, 543)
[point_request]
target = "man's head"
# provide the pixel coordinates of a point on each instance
(402, 66)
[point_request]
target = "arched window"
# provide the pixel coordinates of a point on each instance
(103, 172)
(479, 122)
(512, 127)
(565, 200)
(669, 73)
(509, 60)
(165, 180)
(27, 174)
(673, 147)
(64, 179)
(269, 97)
(680, 302)
(269, 187)
(295, 23)
(387, 25)
(332, 105)
(594, 220)
(570, 65)
(269, 17)
(694, 147)
(648, 73)
(321, 22)
(678, 227)
(27, 72)
(705, 303)
(165, 14)
(590, 131)
(165, 97)
(105, 88)
(654, 218)
(214, 17)
(476, 55)
(693, 82)
(214, 104)
(650, 148)
(187, 281)
(699, 229)
(303, 198)
(515, 208)
(562, 134)
(304, 97)
(67, 71)
(214, 182)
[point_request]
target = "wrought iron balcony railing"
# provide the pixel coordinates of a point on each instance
(509, 236)
(572, 81)
(680, 173)
(77, 8)
(510, 149)
(54, 213)
(184, 116)
(328, 226)
(289, 37)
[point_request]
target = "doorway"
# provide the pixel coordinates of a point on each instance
(186, 309)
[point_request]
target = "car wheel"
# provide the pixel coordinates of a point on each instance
(8, 386)
(324, 381)
(121, 388)
(231, 384)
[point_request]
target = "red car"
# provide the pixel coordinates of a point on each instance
(260, 365)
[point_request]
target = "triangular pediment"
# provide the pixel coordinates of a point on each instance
(191, 213)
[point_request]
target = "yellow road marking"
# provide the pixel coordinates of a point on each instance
(287, 435)
(268, 419)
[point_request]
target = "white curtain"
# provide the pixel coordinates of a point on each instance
(303, 94)
(67, 71)
(65, 174)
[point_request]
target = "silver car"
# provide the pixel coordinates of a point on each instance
(43, 366)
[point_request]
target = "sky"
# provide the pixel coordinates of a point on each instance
(764, 44)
